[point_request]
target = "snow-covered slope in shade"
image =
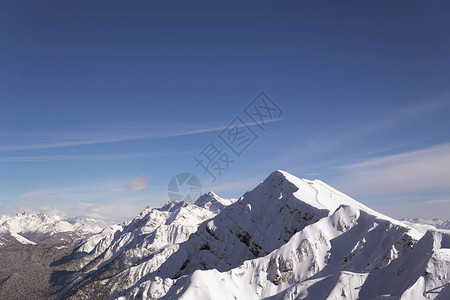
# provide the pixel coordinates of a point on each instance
(131, 250)
(29, 228)
(260, 222)
(348, 255)
(289, 238)
(338, 236)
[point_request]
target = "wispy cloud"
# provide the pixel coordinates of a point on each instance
(322, 141)
(128, 208)
(110, 133)
(120, 156)
(427, 209)
(422, 170)
(104, 200)
(401, 116)
(91, 192)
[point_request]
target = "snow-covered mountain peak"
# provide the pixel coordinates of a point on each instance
(288, 238)
(266, 218)
(315, 193)
(146, 241)
(207, 197)
(29, 227)
(213, 202)
(312, 192)
(280, 184)
(25, 222)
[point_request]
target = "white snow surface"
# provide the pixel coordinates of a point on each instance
(140, 246)
(289, 238)
(42, 224)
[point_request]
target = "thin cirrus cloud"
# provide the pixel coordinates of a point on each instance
(98, 200)
(127, 206)
(120, 156)
(427, 209)
(422, 170)
(111, 133)
(94, 191)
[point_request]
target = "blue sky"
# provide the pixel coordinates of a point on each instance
(102, 103)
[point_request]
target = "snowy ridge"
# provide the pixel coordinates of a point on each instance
(212, 202)
(29, 228)
(135, 248)
(345, 246)
(288, 238)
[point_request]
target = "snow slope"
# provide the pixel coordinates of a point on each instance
(131, 250)
(349, 254)
(289, 238)
(30, 228)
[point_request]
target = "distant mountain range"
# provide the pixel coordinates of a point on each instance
(32, 228)
(288, 238)
(437, 223)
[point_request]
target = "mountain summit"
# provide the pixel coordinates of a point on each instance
(288, 238)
